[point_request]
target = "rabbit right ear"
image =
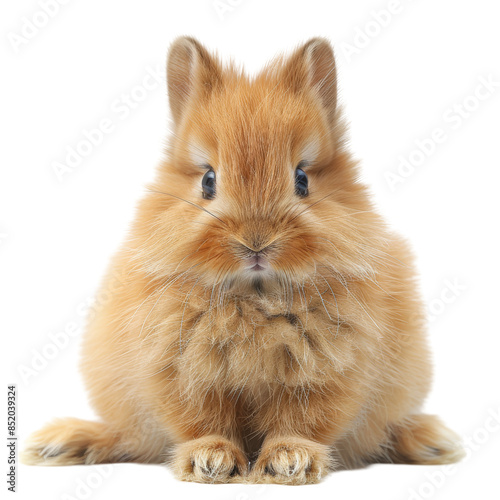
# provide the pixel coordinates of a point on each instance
(191, 72)
(313, 65)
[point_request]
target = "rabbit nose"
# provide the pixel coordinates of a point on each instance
(255, 242)
(255, 247)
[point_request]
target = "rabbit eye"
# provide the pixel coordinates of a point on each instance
(301, 183)
(208, 185)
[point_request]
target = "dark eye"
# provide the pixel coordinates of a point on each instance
(208, 185)
(301, 182)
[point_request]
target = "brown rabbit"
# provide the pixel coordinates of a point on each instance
(268, 327)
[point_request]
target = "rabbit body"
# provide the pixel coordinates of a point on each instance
(265, 330)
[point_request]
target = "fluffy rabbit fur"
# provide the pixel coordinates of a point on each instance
(261, 335)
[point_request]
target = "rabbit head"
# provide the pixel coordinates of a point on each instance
(258, 189)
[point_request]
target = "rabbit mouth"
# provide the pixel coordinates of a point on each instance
(257, 263)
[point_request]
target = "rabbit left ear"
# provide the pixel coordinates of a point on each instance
(313, 66)
(192, 72)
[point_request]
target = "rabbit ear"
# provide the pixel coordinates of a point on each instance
(191, 71)
(313, 66)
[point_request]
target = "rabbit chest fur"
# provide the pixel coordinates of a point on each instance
(299, 346)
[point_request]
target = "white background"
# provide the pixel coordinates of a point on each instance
(415, 68)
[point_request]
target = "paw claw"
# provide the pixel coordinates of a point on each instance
(268, 469)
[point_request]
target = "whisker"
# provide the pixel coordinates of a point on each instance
(199, 207)
(312, 205)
